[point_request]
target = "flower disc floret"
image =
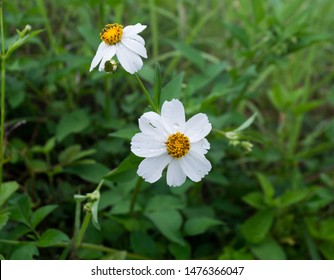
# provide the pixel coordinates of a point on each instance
(112, 33)
(178, 145)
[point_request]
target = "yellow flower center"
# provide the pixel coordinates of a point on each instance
(112, 33)
(178, 145)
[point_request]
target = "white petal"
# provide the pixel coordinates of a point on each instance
(150, 123)
(129, 60)
(197, 127)
(133, 29)
(143, 145)
(201, 147)
(151, 168)
(175, 175)
(173, 116)
(134, 46)
(98, 56)
(135, 37)
(108, 53)
(195, 165)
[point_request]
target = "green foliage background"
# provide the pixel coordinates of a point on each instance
(67, 128)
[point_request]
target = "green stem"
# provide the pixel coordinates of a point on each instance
(107, 100)
(3, 81)
(83, 229)
(42, 9)
(79, 234)
(135, 195)
(83, 245)
(100, 185)
(77, 221)
(147, 95)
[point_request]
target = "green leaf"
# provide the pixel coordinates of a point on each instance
(40, 214)
(268, 249)
(192, 54)
(66, 156)
(239, 33)
(157, 85)
(255, 199)
(52, 237)
(117, 255)
(95, 211)
(198, 225)
(267, 187)
(247, 123)
(278, 98)
(73, 122)
(172, 89)
(21, 209)
(180, 252)
(322, 229)
(49, 145)
(143, 244)
(47, 148)
(17, 92)
(256, 227)
(258, 10)
(327, 249)
(300, 109)
(164, 202)
(308, 40)
(25, 252)
(4, 217)
(169, 223)
(126, 170)
(125, 133)
(322, 198)
(38, 166)
(122, 207)
(292, 197)
(198, 82)
(6, 190)
(232, 254)
(72, 154)
(21, 40)
(90, 172)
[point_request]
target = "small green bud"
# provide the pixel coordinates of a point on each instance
(234, 143)
(95, 195)
(25, 31)
(248, 146)
(232, 135)
(88, 206)
(111, 66)
(80, 197)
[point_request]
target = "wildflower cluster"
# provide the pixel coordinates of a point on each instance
(165, 140)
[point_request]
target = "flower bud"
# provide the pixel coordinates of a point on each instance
(111, 66)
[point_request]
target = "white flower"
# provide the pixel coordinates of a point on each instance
(125, 43)
(167, 139)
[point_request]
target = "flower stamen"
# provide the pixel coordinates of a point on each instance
(178, 145)
(112, 33)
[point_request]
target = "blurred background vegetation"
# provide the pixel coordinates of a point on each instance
(66, 128)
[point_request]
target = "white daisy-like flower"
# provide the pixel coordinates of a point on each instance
(125, 43)
(168, 140)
